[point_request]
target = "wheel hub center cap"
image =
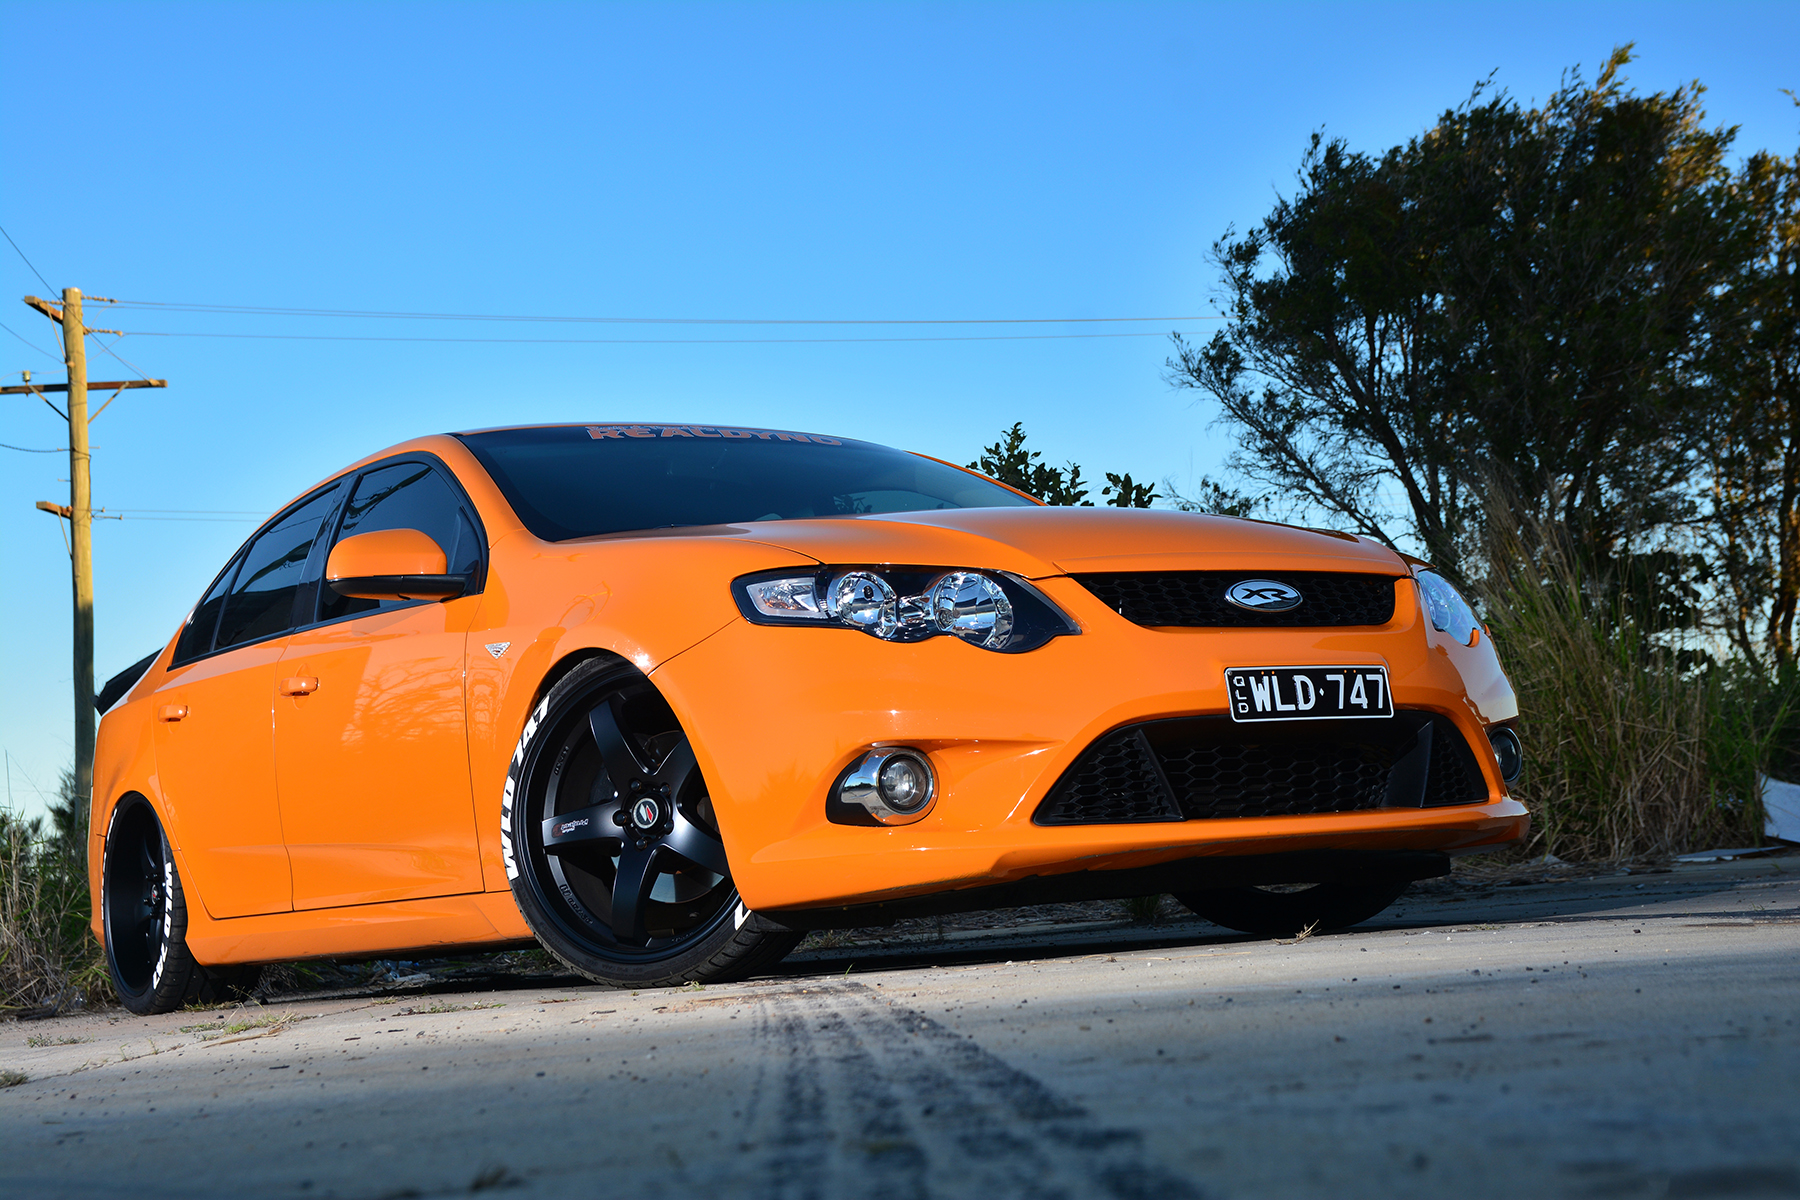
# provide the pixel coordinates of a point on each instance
(646, 814)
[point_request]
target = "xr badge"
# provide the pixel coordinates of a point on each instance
(498, 648)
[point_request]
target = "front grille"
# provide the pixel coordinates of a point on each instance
(1196, 599)
(1206, 768)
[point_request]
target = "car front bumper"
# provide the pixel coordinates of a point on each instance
(776, 715)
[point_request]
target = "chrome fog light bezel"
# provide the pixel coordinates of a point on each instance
(862, 786)
(1507, 745)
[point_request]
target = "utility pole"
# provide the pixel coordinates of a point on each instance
(80, 516)
(81, 540)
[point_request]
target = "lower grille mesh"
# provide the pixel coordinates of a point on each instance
(1201, 768)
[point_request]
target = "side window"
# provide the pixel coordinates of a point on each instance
(408, 495)
(197, 634)
(261, 601)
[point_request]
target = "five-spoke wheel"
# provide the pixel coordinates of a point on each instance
(617, 859)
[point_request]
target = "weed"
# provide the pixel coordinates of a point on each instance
(494, 1177)
(441, 1007)
(42, 1040)
(1144, 909)
(273, 1022)
(13, 1078)
(828, 939)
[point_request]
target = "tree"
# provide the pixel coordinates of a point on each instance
(1514, 297)
(1012, 464)
(1754, 443)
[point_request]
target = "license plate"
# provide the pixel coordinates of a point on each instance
(1308, 693)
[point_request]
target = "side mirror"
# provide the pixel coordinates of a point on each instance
(391, 564)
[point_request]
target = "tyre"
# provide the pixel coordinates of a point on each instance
(611, 843)
(144, 914)
(1280, 911)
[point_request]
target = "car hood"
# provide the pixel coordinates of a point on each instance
(1040, 542)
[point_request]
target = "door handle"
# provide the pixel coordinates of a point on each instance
(171, 712)
(299, 685)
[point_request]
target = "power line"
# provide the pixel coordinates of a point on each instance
(28, 450)
(326, 337)
(31, 343)
(26, 261)
(380, 314)
(100, 512)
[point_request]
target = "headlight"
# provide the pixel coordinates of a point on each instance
(1448, 611)
(864, 601)
(990, 609)
(974, 607)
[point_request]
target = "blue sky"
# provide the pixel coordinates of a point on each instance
(747, 161)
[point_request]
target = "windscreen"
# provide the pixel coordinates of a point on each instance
(574, 481)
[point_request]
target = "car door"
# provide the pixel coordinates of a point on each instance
(214, 736)
(371, 746)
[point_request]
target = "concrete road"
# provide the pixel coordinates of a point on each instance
(1620, 1036)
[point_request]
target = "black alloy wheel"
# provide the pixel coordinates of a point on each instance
(1286, 910)
(144, 913)
(617, 861)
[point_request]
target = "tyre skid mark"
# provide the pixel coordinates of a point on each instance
(861, 1096)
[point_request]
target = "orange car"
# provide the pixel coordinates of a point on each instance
(666, 696)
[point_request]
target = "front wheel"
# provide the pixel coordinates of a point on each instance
(1281, 911)
(612, 846)
(144, 913)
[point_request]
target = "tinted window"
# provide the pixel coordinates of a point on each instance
(197, 634)
(406, 496)
(576, 481)
(261, 603)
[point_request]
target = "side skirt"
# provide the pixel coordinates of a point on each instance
(484, 920)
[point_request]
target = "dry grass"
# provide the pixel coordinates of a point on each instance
(49, 961)
(1633, 749)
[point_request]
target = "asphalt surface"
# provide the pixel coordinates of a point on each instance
(1625, 1035)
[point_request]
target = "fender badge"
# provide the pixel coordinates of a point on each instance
(498, 648)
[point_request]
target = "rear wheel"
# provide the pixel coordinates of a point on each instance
(613, 849)
(1282, 911)
(144, 913)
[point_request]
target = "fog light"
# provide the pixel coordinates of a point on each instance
(1509, 754)
(894, 785)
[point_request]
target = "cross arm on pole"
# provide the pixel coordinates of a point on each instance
(97, 385)
(53, 311)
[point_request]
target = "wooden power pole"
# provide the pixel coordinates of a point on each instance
(81, 540)
(80, 514)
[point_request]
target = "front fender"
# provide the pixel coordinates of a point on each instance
(644, 600)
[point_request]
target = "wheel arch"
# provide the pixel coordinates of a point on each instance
(99, 832)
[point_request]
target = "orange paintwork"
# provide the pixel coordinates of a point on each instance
(384, 552)
(372, 766)
(380, 783)
(217, 776)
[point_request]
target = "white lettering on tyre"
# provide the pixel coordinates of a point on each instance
(506, 796)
